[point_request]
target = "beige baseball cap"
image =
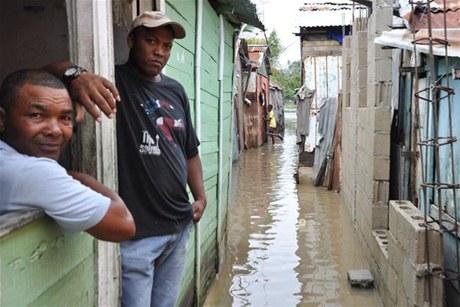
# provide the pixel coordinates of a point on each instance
(155, 19)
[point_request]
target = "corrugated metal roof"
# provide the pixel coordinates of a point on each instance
(330, 18)
(403, 38)
(418, 17)
(238, 12)
(329, 13)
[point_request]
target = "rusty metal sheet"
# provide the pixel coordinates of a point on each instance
(417, 18)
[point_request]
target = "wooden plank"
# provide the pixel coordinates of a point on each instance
(15, 220)
(36, 257)
(74, 289)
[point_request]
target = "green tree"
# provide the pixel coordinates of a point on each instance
(288, 78)
(275, 48)
(256, 41)
(273, 42)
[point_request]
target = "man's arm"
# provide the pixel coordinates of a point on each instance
(195, 182)
(117, 224)
(92, 91)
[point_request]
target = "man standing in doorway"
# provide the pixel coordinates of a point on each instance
(157, 157)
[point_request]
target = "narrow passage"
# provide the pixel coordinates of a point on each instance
(287, 244)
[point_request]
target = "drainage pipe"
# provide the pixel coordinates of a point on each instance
(198, 45)
(221, 134)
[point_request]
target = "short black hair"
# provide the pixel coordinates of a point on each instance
(13, 82)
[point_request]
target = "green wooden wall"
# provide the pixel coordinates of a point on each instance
(42, 266)
(182, 67)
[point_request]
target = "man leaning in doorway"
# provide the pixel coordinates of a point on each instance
(36, 124)
(157, 157)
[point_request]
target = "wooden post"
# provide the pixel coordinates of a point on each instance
(94, 147)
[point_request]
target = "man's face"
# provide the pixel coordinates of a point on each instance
(39, 123)
(151, 49)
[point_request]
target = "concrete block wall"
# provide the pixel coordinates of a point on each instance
(396, 251)
(396, 242)
(408, 254)
(348, 180)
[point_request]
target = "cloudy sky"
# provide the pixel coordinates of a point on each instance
(282, 15)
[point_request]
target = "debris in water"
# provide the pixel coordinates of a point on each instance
(360, 278)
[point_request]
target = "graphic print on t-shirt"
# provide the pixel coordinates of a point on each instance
(149, 146)
(161, 113)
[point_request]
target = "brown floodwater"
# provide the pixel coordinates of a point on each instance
(287, 244)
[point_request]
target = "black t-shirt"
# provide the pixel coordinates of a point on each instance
(155, 139)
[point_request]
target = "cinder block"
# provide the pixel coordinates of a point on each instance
(383, 3)
(394, 286)
(417, 288)
(376, 51)
(396, 254)
(382, 144)
(361, 57)
(362, 98)
(362, 40)
(381, 191)
(407, 227)
(346, 42)
(382, 93)
(383, 68)
(382, 119)
(362, 77)
(379, 216)
(381, 168)
(383, 19)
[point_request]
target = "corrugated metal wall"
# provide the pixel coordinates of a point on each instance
(428, 165)
(450, 242)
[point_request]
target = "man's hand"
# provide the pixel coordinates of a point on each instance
(198, 210)
(91, 91)
(94, 92)
(195, 182)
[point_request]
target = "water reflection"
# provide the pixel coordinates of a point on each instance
(287, 245)
(266, 190)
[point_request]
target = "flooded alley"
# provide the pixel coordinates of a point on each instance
(287, 244)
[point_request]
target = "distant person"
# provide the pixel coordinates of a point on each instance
(36, 123)
(271, 119)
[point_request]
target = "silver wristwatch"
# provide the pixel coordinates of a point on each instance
(72, 73)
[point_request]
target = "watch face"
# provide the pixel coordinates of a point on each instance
(70, 71)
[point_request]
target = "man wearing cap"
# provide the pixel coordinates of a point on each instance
(157, 157)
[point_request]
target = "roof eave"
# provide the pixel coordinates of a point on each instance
(238, 12)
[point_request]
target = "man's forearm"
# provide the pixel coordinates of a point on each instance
(117, 224)
(57, 69)
(95, 185)
(195, 178)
